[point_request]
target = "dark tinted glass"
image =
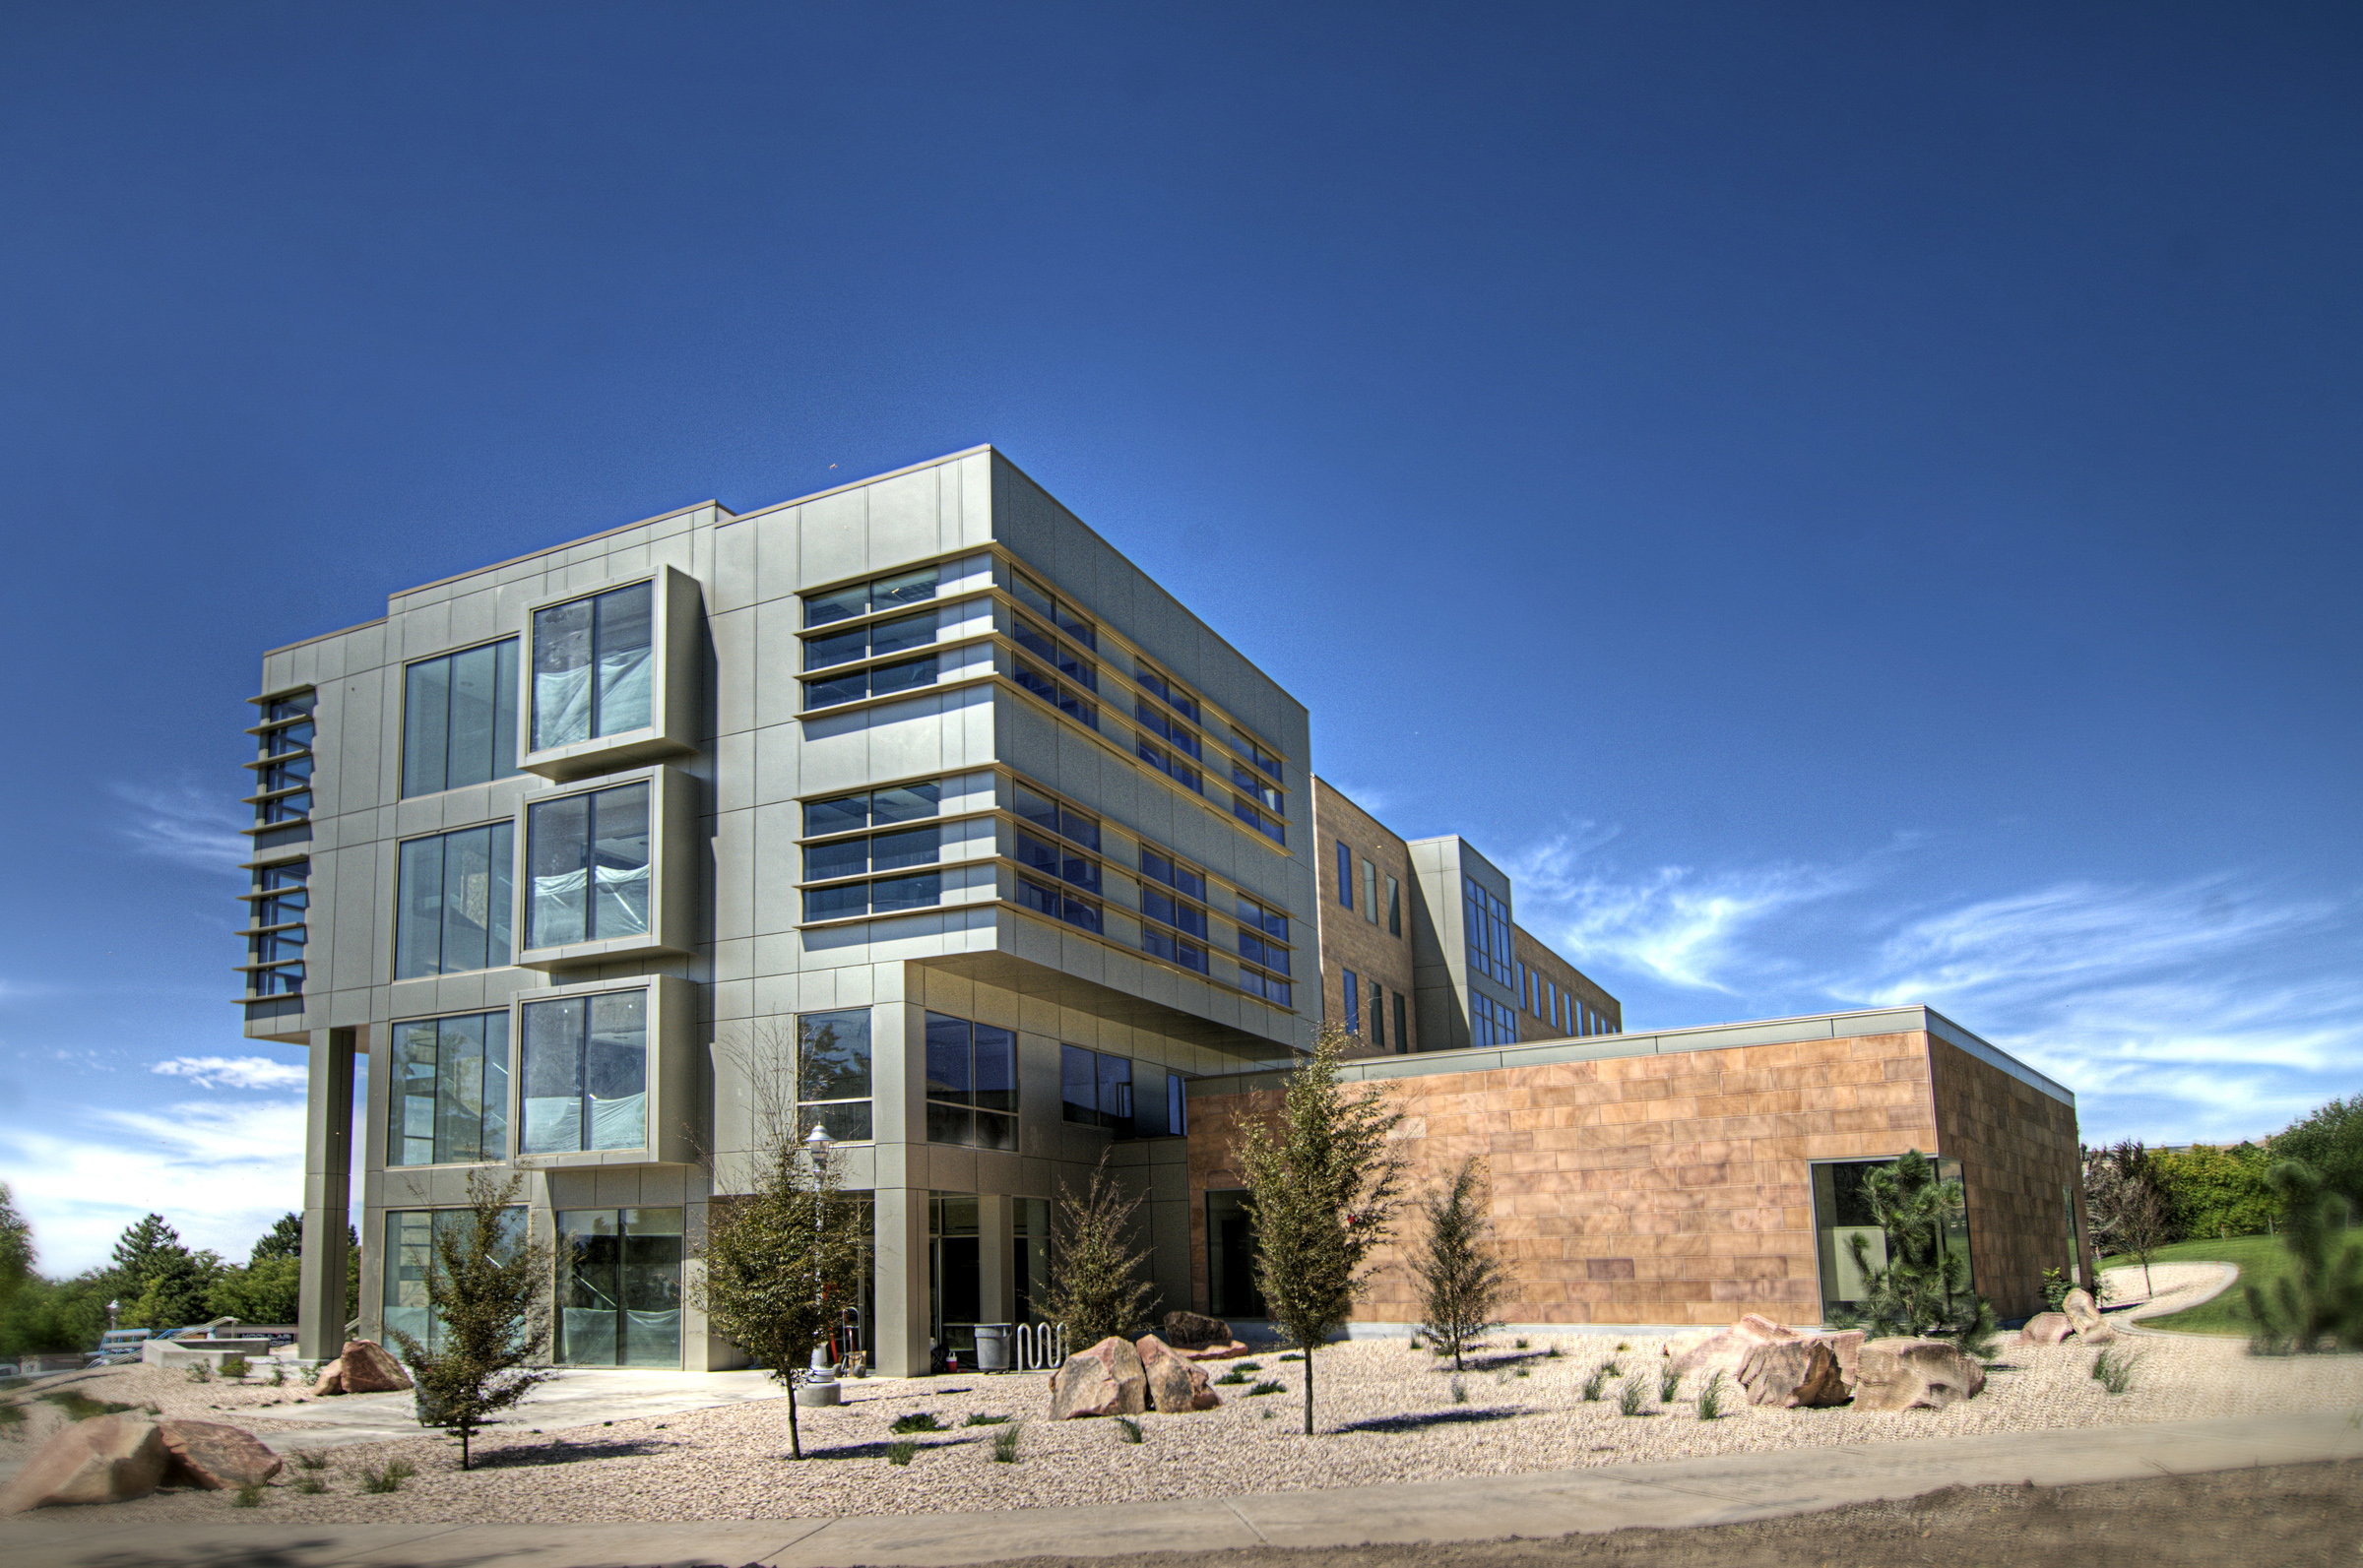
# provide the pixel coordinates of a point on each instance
(948, 1075)
(843, 649)
(1029, 592)
(1037, 809)
(833, 1055)
(1079, 1083)
(907, 893)
(893, 637)
(910, 587)
(1034, 639)
(996, 1068)
(827, 904)
(905, 802)
(902, 676)
(844, 602)
(829, 693)
(890, 851)
(837, 815)
(1034, 853)
(844, 859)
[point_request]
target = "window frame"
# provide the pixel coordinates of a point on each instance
(671, 1074)
(675, 614)
(497, 865)
(671, 879)
(396, 1099)
(1009, 1118)
(504, 758)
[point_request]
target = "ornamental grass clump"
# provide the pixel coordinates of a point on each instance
(1669, 1384)
(234, 1367)
(979, 1418)
(1593, 1384)
(2114, 1370)
(1321, 1184)
(389, 1480)
(1266, 1387)
(1710, 1398)
(1004, 1445)
(1460, 1393)
(922, 1421)
(901, 1451)
(1128, 1430)
(1630, 1398)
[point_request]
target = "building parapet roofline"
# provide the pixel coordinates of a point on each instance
(1699, 1038)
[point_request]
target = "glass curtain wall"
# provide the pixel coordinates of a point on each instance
(619, 1288)
(1842, 1214)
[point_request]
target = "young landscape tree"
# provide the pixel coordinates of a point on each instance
(1462, 1277)
(1321, 1189)
(488, 1289)
(2129, 1213)
(2321, 1297)
(1923, 1287)
(1097, 1288)
(782, 1260)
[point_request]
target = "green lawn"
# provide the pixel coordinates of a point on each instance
(2261, 1261)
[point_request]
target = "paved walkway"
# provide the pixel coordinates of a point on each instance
(1731, 1489)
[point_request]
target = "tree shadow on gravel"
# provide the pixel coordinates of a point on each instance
(531, 1455)
(1417, 1424)
(877, 1450)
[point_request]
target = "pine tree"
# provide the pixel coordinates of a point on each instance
(1462, 1277)
(1923, 1289)
(1096, 1285)
(486, 1286)
(285, 1239)
(138, 1251)
(2321, 1295)
(1321, 1188)
(783, 1261)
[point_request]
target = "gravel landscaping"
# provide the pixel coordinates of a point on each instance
(1387, 1413)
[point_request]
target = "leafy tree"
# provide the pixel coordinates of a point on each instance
(285, 1239)
(2329, 1141)
(2321, 1295)
(1096, 1285)
(139, 1251)
(2216, 1192)
(55, 1314)
(1322, 1187)
(16, 1246)
(177, 1291)
(1462, 1277)
(1922, 1288)
(784, 1260)
(486, 1285)
(266, 1291)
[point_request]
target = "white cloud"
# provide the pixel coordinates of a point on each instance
(219, 1172)
(233, 1072)
(186, 825)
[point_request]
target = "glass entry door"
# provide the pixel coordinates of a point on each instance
(619, 1288)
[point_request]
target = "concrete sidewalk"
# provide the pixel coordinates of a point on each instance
(1704, 1491)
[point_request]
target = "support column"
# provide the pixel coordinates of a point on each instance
(901, 1237)
(321, 1307)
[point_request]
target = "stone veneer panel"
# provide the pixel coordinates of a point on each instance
(2018, 1150)
(1662, 1188)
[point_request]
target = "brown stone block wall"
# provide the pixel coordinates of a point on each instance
(1538, 957)
(1347, 939)
(2018, 1148)
(1670, 1188)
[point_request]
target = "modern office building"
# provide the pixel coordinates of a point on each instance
(914, 790)
(913, 795)
(1420, 949)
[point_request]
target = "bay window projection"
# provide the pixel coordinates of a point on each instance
(1264, 954)
(451, 901)
(594, 666)
(585, 1074)
(587, 868)
(618, 1287)
(449, 1102)
(832, 1074)
(848, 851)
(972, 1083)
(410, 1253)
(459, 718)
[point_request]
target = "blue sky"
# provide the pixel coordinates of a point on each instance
(1850, 504)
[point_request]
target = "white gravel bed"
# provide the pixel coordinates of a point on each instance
(1385, 1413)
(2171, 1287)
(168, 1392)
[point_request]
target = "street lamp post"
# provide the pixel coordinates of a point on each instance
(820, 1380)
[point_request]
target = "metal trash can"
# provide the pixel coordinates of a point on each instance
(992, 1346)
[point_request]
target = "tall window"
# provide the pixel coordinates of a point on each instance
(459, 718)
(1402, 1026)
(1394, 908)
(587, 868)
(1264, 954)
(451, 901)
(275, 929)
(618, 1287)
(1490, 1023)
(1096, 1090)
(585, 1074)
(1378, 1015)
(1345, 874)
(595, 667)
(1351, 994)
(283, 765)
(450, 1104)
(972, 1083)
(411, 1254)
(1370, 891)
(1490, 940)
(832, 1074)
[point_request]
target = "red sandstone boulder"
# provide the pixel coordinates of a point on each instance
(1190, 1330)
(214, 1456)
(332, 1379)
(1712, 1350)
(1174, 1383)
(1215, 1352)
(1906, 1374)
(1106, 1380)
(369, 1368)
(1847, 1346)
(1791, 1374)
(108, 1459)
(2046, 1327)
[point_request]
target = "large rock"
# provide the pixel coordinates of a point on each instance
(1711, 1350)
(1791, 1374)
(1188, 1331)
(2084, 1315)
(1216, 1353)
(214, 1456)
(369, 1368)
(2046, 1327)
(108, 1459)
(1847, 1346)
(1106, 1380)
(1175, 1383)
(331, 1381)
(1905, 1374)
